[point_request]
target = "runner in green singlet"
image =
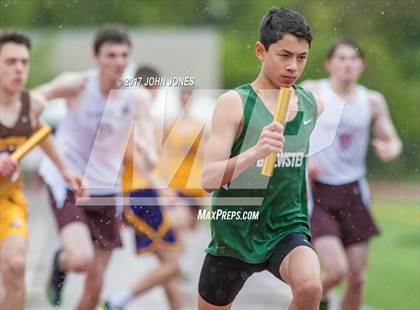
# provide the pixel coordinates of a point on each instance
(242, 135)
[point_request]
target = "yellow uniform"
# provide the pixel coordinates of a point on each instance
(152, 226)
(186, 180)
(13, 206)
(131, 180)
(181, 140)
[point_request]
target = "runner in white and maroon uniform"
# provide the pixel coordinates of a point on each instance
(92, 140)
(341, 220)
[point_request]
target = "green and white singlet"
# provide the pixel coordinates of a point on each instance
(281, 200)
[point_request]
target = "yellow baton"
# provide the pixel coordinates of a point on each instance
(6, 184)
(33, 141)
(280, 116)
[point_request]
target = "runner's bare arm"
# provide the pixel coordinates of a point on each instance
(144, 128)
(8, 165)
(314, 169)
(67, 85)
(37, 105)
(319, 104)
(218, 168)
(142, 163)
(313, 86)
(386, 141)
(141, 149)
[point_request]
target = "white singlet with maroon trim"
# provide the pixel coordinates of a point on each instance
(92, 140)
(343, 161)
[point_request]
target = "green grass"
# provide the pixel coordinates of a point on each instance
(394, 264)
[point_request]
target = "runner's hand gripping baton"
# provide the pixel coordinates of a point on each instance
(33, 141)
(24, 149)
(280, 116)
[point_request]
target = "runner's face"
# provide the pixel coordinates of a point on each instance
(112, 58)
(284, 61)
(14, 67)
(345, 65)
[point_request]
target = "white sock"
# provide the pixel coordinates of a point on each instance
(122, 298)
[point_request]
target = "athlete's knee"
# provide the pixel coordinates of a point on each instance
(13, 262)
(170, 261)
(336, 275)
(308, 290)
(79, 262)
(204, 305)
(174, 267)
(356, 281)
(78, 254)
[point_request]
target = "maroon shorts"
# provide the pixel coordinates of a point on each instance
(102, 221)
(340, 210)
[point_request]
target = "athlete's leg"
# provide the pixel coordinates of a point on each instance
(165, 275)
(12, 266)
(167, 270)
(78, 250)
(169, 261)
(94, 279)
(181, 218)
(204, 305)
(333, 260)
(146, 231)
(173, 294)
(221, 279)
(76, 255)
(300, 269)
(357, 255)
